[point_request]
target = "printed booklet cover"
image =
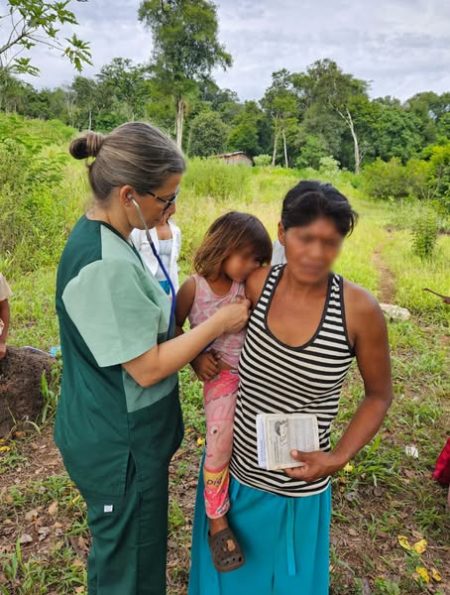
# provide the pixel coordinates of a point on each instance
(279, 433)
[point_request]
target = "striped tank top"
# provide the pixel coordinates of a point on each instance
(277, 378)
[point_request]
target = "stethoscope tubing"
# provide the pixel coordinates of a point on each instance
(173, 293)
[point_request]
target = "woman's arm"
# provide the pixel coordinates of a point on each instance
(255, 284)
(167, 358)
(4, 317)
(368, 329)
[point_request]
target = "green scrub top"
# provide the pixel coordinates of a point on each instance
(111, 310)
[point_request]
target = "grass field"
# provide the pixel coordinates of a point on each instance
(383, 501)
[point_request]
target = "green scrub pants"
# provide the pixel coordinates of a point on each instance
(129, 538)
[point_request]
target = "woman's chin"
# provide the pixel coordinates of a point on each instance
(309, 274)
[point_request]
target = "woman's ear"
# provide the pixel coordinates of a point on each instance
(281, 234)
(126, 195)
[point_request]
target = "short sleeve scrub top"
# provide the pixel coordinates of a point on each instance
(116, 437)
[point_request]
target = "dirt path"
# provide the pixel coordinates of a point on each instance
(387, 279)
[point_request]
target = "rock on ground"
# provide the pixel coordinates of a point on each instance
(20, 385)
(395, 313)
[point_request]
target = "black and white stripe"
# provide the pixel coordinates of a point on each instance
(278, 378)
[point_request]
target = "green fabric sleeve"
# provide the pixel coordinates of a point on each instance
(113, 310)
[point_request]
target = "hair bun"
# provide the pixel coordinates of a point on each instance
(86, 146)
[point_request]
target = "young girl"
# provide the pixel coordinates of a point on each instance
(167, 239)
(235, 245)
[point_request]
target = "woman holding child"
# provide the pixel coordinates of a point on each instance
(306, 327)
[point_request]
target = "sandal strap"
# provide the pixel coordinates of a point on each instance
(223, 558)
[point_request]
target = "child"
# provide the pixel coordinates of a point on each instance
(167, 239)
(5, 293)
(235, 245)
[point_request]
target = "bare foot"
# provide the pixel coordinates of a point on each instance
(216, 525)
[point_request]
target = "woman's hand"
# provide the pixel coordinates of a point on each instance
(235, 316)
(317, 464)
(205, 366)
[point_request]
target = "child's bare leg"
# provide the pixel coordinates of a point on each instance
(216, 525)
(220, 402)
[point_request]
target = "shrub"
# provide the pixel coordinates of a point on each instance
(329, 167)
(425, 234)
(313, 150)
(386, 179)
(439, 174)
(33, 218)
(262, 160)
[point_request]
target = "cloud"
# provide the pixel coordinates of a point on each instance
(400, 46)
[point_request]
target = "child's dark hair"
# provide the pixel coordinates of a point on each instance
(310, 200)
(231, 233)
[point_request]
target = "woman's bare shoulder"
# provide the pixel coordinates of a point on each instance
(255, 283)
(363, 313)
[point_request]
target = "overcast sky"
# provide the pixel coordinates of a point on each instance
(400, 46)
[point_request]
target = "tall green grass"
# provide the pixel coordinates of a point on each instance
(413, 274)
(43, 192)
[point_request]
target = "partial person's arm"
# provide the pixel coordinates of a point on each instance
(367, 326)
(167, 358)
(120, 322)
(185, 300)
(255, 284)
(5, 318)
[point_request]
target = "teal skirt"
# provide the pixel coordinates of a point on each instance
(285, 542)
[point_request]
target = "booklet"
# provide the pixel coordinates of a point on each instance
(279, 433)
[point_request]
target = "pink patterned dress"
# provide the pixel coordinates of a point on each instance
(219, 396)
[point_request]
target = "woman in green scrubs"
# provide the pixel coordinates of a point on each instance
(119, 420)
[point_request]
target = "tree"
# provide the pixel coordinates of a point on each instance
(12, 92)
(208, 134)
(247, 129)
(86, 100)
(395, 132)
(313, 149)
(223, 101)
(280, 103)
(124, 88)
(330, 89)
(433, 112)
(186, 48)
(28, 23)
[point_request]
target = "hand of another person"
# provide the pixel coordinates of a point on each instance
(235, 316)
(317, 464)
(2, 350)
(206, 366)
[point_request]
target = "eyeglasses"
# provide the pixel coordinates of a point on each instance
(165, 201)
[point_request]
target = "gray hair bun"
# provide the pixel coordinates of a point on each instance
(86, 146)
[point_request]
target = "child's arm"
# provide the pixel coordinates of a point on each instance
(185, 299)
(4, 317)
(205, 364)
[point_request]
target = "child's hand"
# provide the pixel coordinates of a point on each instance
(2, 350)
(205, 366)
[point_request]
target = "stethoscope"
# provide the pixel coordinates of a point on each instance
(160, 263)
